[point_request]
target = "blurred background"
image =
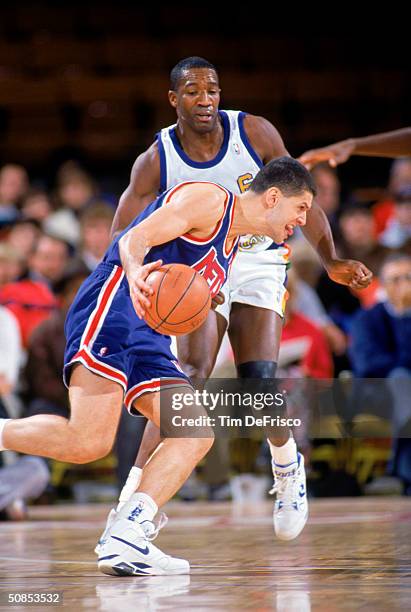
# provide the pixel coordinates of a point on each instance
(83, 90)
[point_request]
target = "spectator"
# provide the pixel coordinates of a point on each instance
(49, 260)
(381, 348)
(75, 191)
(95, 226)
(25, 477)
(36, 205)
(400, 178)
(358, 241)
(328, 191)
(12, 264)
(397, 233)
(13, 185)
(23, 236)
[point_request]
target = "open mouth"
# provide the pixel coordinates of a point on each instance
(289, 230)
(204, 118)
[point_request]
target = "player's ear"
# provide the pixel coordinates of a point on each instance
(172, 98)
(272, 197)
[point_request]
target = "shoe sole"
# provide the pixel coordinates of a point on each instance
(125, 569)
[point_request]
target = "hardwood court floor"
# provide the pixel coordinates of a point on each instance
(354, 554)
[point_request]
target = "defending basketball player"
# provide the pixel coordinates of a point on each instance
(113, 355)
(230, 147)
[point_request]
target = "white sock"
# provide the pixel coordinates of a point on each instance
(140, 507)
(132, 482)
(2, 424)
(285, 455)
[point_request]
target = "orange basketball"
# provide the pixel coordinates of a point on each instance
(180, 302)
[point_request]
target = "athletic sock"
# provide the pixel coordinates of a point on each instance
(132, 482)
(284, 455)
(140, 507)
(2, 425)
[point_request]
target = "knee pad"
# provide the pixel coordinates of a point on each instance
(257, 369)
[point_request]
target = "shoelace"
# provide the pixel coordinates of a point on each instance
(285, 488)
(151, 529)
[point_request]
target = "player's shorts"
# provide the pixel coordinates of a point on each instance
(258, 279)
(104, 333)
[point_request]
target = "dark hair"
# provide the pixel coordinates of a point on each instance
(187, 64)
(287, 174)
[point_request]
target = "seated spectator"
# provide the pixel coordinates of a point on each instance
(13, 186)
(381, 348)
(36, 205)
(12, 264)
(328, 191)
(400, 177)
(95, 226)
(75, 191)
(49, 260)
(358, 241)
(23, 236)
(397, 234)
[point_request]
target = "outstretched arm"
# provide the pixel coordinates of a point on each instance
(387, 144)
(343, 271)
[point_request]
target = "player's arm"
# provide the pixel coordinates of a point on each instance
(264, 138)
(318, 232)
(143, 189)
(184, 213)
(387, 144)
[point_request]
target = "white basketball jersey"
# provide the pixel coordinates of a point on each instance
(234, 167)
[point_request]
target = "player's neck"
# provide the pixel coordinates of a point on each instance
(200, 147)
(249, 215)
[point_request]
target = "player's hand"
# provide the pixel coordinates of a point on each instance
(140, 290)
(334, 154)
(217, 300)
(349, 272)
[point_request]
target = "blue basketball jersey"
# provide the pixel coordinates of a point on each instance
(210, 256)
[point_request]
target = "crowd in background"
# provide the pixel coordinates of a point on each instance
(50, 240)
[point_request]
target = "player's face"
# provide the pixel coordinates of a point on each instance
(288, 213)
(197, 98)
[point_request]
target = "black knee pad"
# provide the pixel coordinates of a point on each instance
(257, 369)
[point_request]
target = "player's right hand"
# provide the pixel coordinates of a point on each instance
(140, 290)
(334, 154)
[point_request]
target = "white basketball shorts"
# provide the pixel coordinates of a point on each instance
(258, 279)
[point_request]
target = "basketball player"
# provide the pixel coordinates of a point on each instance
(230, 147)
(112, 354)
(387, 144)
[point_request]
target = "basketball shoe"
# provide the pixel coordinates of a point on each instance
(112, 515)
(128, 550)
(290, 507)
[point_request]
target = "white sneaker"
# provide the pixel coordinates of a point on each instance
(112, 515)
(128, 551)
(290, 507)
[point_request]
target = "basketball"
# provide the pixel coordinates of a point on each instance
(180, 302)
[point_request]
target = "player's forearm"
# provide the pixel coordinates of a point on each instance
(318, 233)
(133, 247)
(388, 144)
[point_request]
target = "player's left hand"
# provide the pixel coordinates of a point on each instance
(349, 272)
(217, 300)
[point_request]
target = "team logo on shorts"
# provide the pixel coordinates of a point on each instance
(103, 351)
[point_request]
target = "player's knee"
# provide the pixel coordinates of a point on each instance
(198, 368)
(201, 446)
(89, 451)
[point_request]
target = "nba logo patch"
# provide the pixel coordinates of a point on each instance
(236, 148)
(103, 351)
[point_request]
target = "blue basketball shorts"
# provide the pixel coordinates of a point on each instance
(104, 334)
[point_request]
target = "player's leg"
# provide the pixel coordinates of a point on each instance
(257, 359)
(128, 549)
(95, 404)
